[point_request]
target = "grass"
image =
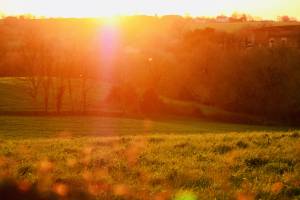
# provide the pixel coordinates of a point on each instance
(15, 99)
(18, 127)
(203, 166)
(14, 96)
(118, 158)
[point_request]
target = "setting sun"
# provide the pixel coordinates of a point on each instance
(96, 8)
(149, 99)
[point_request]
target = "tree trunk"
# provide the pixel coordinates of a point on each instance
(47, 86)
(70, 89)
(84, 95)
(60, 95)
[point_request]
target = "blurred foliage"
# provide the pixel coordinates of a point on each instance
(164, 167)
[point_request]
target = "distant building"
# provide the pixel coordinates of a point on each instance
(222, 19)
(273, 36)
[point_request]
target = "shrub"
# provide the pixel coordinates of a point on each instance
(124, 97)
(151, 102)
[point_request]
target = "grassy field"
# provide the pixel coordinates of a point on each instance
(15, 98)
(117, 158)
(89, 157)
(18, 127)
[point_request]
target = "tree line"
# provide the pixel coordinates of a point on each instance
(145, 58)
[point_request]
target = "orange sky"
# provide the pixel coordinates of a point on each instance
(268, 9)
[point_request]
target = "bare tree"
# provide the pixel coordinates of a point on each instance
(86, 84)
(72, 51)
(60, 71)
(60, 91)
(30, 51)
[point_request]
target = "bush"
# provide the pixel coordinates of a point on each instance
(124, 97)
(151, 103)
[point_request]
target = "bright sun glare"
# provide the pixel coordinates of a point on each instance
(99, 8)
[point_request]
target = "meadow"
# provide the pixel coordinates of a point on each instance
(119, 158)
(15, 100)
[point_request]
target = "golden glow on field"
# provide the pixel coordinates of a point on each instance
(99, 8)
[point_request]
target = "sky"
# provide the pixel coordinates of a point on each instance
(267, 9)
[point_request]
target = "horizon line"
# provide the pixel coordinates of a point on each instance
(4, 15)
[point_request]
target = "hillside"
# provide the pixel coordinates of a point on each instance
(16, 99)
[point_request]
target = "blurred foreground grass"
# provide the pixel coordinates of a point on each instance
(252, 165)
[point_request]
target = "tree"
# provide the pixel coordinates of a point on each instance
(38, 55)
(85, 62)
(31, 51)
(286, 18)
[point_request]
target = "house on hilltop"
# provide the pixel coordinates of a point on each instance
(273, 36)
(222, 19)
